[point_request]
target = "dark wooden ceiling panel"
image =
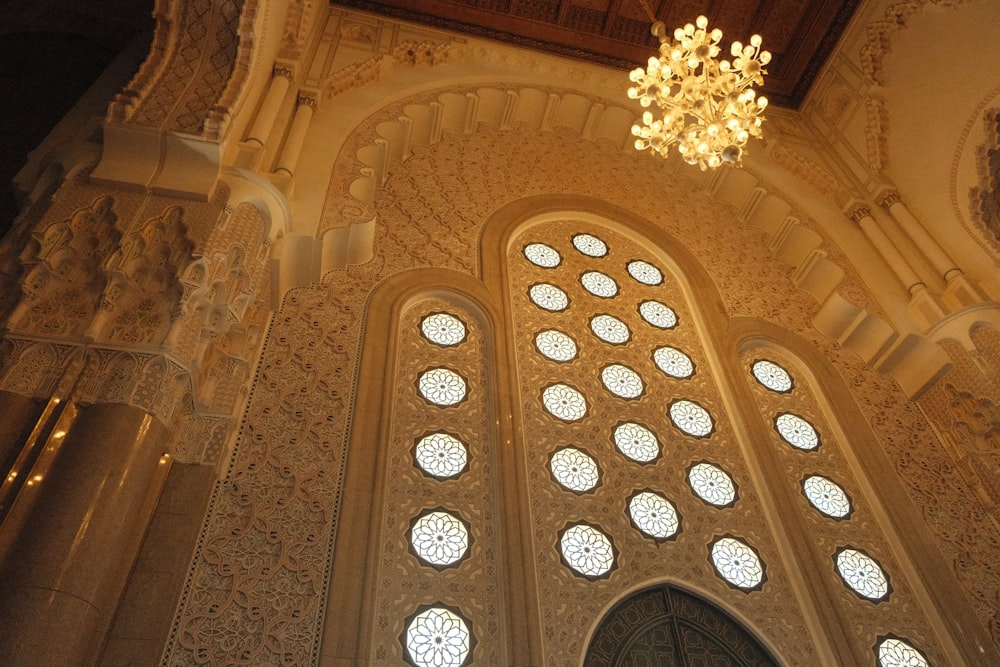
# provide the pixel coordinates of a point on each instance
(800, 34)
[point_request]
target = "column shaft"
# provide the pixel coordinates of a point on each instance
(269, 109)
(911, 281)
(296, 137)
(942, 263)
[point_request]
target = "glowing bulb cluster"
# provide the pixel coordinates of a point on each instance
(709, 107)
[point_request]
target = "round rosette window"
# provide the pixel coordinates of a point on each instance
(827, 496)
(738, 563)
(772, 376)
(443, 329)
(441, 455)
(564, 402)
(673, 362)
(796, 431)
(574, 470)
(548, 297)
(691, 418)
(637, 442)
(610, 329)
(542, 255)
(438, 636)
(590, 245)
(622, 381)
(555, 345)
(439, 538)
(653, 515)
(599, 284)
(862, 574)
(587, 551)
(442, 386)
(712, 484)
(644, 272)
(658, 315)
(893, 651)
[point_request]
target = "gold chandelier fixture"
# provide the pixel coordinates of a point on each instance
(708, 108)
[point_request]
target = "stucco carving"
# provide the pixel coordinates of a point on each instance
(985, 197)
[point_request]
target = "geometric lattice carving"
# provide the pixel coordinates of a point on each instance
(985, 197)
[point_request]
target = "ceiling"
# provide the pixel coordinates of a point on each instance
(800, 34)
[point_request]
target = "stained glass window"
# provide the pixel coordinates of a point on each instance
(591, 246)
(796, 431)
(564, 402)
(772, 376)
(438, 637)
(548, 297)
(712, 484)
(691, 418)
(443, 329)
(542, 255)
(441, 455)
(574, 469)
(555, 345)
(862, 574)
(737, 563)
(658, 315)
(599, 284)
(654, 515)
(439, 538)
(644, 272)
(636, 442)
(826, 496)
(622, 381)
(896, 652)
(442, 386)
(587, 550)
(610, 329)
(673, 362)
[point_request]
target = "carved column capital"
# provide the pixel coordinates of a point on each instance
(284, 69)
(309, 98)
(886, 198)
(858, 212)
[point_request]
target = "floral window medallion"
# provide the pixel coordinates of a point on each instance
(622, 381)
(610, 329)
(443, 329)
(555, 345)
(644, 272)
(564, 402)
(738, 563)
(658, 315)
(438, 637)
(772, 376)
(895, 652)
(542, 255)
(442, 386)
(636, 442)
(548, 297)
(589, 245)
(796, 431)
(712, 484)
(673, 362)
(599, 284)
(862, 574)
(587, 550)
(827, 496)
(654, 515)
(439, 538)
(574, 469)
(691, 418)
(441, 455)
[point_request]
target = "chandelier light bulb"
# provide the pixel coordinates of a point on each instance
(708, 108)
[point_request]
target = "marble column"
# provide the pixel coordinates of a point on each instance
(862, 215)
(272, 104)
(297, 134)
(62, 579)
(19, 416)
(942, 263)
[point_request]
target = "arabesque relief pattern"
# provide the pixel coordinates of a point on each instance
(404, 582)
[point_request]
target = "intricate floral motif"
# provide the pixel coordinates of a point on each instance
(737, 563)
(796, 431)
(441, 455)
(574, 469)
(826, 496)
(542, 255)
(437, 637)
(691, 418)
(658, 315)
(862, 574)
(439, 538)
(636, 442)
(654, 515)
(622, 381)
(712, 484)
(587, 550)
(548, 297)
(442, 386)
(673, 362)
(589, 245)
(644, 272)
(772, 376)
(894, 652)
(443, 329)
(610, 329)
(599, 284)
(564, 402)
(555, 345)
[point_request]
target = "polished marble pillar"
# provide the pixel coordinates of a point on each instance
(862, 215)
(297, 134)
(18, 416)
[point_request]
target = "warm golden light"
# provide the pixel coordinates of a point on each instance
(708, 108)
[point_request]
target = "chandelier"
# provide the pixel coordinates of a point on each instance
(708, 108)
